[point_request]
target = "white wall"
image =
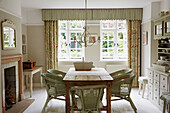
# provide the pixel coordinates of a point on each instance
(165, 5)
(11, 6)
(32, 17)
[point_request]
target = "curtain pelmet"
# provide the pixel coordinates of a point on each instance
(92, 14)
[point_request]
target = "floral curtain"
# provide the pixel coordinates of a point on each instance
(134, 37)
(51, 44)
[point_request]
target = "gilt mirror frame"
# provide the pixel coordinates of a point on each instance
(8, 35)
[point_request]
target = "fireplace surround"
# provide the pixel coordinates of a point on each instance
(8, 61)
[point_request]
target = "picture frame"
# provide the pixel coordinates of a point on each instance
(24, 49)
(145, 38)
(23, 39)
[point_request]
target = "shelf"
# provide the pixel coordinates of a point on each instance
(163, 53)
(162, 48)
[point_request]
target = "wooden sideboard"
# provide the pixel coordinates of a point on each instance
(158, 82)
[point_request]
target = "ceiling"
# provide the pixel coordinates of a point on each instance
(40, 4)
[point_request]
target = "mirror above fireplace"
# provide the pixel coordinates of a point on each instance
(8, 33)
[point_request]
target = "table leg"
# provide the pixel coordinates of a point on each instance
(67, 105)
(31, 77)
(41, 78)
(26, 79)
(108, 97)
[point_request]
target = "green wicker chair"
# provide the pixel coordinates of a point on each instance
(121, 72)
(89, 98)
(121, 87)
(55, 87)
(54, 71)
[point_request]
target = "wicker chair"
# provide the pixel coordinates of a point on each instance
(121, 87)
(54, 71)
(121, 72)
(55, 87)
(89, 98)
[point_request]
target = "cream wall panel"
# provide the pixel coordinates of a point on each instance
(36, 45)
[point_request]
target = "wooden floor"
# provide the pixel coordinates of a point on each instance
(121, 106)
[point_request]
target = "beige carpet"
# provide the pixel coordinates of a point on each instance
(20, 107)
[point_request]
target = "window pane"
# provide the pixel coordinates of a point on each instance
(7, 44)
(73, 53)
(120, 52)
(79, 45)
(121, 24)
(79, 36)
(72, 25)
(63, 36)
(107, 24)
(104, 51)
(111, 35)
(63, 45)
(104, 44)
(111, 44)
(111, 52)
(62, 25)
(104, 36)
(73, 44)
(79, 25)
(120, 35)
(72, 36)
(120, 44)
(79, 53)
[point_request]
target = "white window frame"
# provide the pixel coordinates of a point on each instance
(68, 32)
(115, 31)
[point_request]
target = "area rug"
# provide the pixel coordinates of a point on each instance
(20, 107)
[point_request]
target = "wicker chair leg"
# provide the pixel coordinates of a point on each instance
(43, 110)
(132, 104)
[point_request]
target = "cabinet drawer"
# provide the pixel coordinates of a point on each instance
(150, 74)
(156, 98)
(150, 87)
(162, 91)
(163, 86)
(156, 90)
(150, 95)
(156, 83)
(163, 79)
(150, 80)
(156, 76)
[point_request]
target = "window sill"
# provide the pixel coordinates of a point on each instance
(66, 60)
(113, 60)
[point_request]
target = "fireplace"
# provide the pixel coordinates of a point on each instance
(11, 87)
(11, 70)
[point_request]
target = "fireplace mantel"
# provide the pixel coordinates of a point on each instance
(15, 58)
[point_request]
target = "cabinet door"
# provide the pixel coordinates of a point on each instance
(158, 25)
(167, 27)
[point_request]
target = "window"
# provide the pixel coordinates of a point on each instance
(68, 49)
(113, 40)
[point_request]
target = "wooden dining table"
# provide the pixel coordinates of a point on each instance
(97, 76)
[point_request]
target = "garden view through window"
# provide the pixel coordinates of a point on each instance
(113, 45)
(68, 48)
(113, 39)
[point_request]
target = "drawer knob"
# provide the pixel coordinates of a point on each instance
(163, 86)
(163, 78)
(155, 89)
